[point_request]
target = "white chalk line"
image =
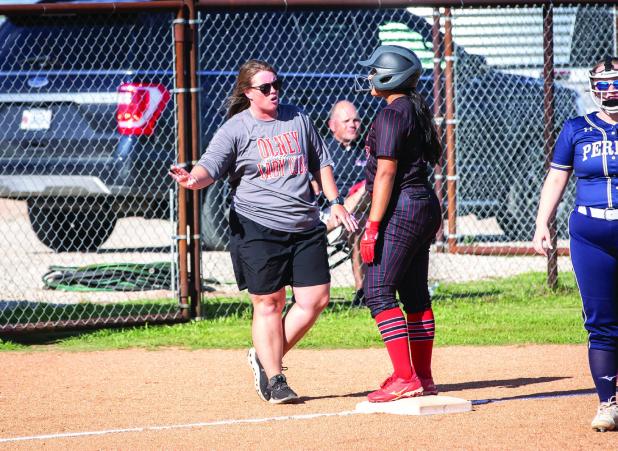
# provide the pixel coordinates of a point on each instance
(253, 420)
(177, 426)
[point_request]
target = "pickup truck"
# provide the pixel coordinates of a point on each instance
(87, 126)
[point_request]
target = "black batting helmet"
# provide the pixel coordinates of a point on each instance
(395, 68)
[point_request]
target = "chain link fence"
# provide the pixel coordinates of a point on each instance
(88, 129)
(498, 121)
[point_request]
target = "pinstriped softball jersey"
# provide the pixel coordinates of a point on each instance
(392, 135)
(588, 146)
(412, 217)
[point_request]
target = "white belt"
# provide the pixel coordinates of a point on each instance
(609, 214)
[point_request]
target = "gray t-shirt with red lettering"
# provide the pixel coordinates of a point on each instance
(268, 163)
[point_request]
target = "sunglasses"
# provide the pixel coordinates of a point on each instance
(604, 85)
(266, 87)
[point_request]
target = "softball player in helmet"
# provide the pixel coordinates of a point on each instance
(403, 220)
(588, 147)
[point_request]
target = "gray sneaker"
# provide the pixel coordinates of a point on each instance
(259, 375)
(280, 392)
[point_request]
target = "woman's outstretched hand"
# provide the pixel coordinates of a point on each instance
(184, 178)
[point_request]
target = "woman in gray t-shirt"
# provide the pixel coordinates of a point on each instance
(268, 150)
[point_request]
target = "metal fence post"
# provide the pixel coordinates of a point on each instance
(549, 133)
(195, 223)
(179, 46)
(438, 173)
(451, 171)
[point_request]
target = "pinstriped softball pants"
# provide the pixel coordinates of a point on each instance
(402, 253)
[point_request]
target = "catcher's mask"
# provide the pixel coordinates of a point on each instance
(600, 84)
(393, 68)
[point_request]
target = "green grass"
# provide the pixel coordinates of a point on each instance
(513, 310)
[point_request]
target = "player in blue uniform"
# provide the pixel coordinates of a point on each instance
(588, 147)
(403, 220)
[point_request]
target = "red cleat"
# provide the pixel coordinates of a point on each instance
(429, 388)
(395, 388)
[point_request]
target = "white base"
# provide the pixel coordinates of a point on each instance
(421, 405)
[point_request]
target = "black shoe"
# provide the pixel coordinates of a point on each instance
(280, 392)
(359, 299)
(259, 375)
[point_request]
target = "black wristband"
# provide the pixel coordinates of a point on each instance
(336, 201)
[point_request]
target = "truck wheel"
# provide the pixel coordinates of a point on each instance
(215, 213)
(516, 227)
(66, 225)
(517, 215)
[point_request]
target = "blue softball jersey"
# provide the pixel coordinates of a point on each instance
(588, 146)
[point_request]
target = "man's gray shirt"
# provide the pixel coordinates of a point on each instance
(268, 163)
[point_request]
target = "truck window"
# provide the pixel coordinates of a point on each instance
(118, 42)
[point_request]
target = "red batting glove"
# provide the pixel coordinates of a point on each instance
(368, 242)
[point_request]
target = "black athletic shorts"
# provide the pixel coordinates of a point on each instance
(266, 260)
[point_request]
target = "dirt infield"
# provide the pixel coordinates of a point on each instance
(525, 397)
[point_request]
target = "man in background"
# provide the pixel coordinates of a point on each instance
(349, 168)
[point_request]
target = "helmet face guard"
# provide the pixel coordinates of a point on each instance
(393, 68)
(362, 83)
(599, 91)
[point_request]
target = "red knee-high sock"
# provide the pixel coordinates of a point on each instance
(421, 330)
(393, 328)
